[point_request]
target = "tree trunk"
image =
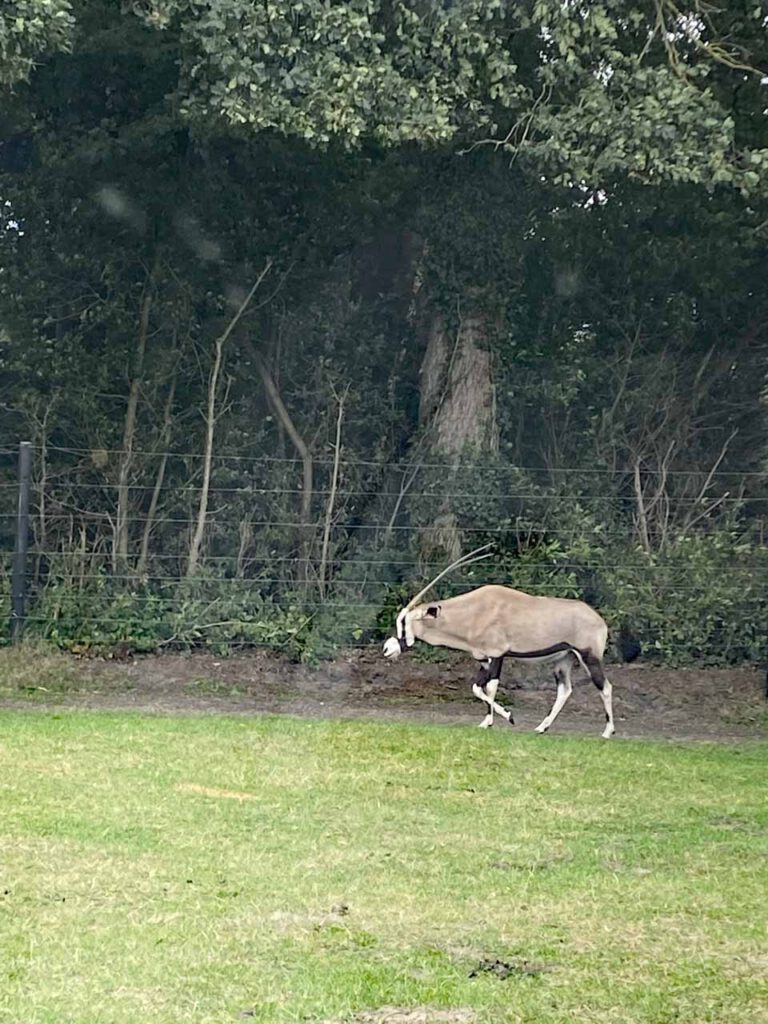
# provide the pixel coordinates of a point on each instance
(332, 496)
(196, 543)
(641, 515)
(275, 400)
(457, 411)
(120, 549)
(165, 436)
(458, 400)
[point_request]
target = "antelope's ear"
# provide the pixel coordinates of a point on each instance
(433, 611)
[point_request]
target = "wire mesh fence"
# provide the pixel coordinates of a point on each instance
(112, 556)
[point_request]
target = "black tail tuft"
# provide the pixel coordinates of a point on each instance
(629, 646)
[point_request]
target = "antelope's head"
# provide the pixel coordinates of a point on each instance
(413, 612)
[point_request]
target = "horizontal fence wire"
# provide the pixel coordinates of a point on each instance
(194, 638)
(663, 574)
(73, 531)
(420, 566)
(340, 494)
(323, 604)
(500, 532)
(341, 581)
(292, 524)
(407, 465)
(254, 490)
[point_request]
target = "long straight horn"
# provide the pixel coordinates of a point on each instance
(469, 559)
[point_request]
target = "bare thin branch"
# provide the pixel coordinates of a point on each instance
(213, 383)
(332, 496)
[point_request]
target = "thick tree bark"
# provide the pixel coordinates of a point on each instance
(458, 402)
(457, 408)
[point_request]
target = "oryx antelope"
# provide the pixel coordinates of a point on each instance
(493, 623)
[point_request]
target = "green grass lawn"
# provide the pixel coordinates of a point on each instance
(159, 869)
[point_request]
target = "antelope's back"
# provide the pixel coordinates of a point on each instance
(494, 620)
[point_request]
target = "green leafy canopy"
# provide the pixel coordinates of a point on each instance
(581, 91)
(29, 29)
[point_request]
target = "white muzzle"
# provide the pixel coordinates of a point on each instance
(392, 648)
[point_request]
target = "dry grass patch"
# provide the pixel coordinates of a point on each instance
(417, 1015)
(36, 671)
(212, 791)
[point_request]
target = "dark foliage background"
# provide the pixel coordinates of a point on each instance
(300, 300)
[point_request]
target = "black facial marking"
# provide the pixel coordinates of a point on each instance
(433, 611)
(403, 644)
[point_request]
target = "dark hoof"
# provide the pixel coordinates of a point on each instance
(510, 720)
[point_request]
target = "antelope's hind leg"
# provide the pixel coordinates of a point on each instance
(564, 690)
(485, 686)
(598, 677)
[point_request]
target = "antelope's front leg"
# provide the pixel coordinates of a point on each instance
(480, 681)
(485, 685)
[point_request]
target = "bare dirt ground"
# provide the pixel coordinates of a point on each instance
(705, 704)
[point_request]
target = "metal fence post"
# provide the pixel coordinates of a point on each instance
(19, 574)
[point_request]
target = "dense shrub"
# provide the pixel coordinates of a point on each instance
(700, 602)
(196, 613)
(704, 602)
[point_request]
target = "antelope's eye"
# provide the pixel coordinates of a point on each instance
(433, 611)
